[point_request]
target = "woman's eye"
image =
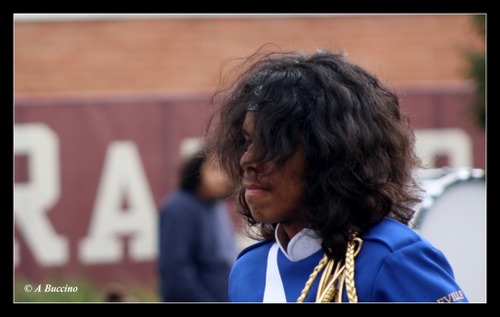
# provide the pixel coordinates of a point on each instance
(247, 142)
(247, 139)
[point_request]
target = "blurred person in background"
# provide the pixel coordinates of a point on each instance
(196, 235)
(324, 159)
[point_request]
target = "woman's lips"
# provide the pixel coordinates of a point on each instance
(255, 190)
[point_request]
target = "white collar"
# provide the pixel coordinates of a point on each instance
(302, 245)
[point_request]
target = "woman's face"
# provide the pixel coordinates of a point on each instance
(272, 197)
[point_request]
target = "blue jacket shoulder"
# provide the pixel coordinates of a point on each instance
(252, 247)
(393, 234)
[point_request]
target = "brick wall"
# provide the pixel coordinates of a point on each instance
(173, 54)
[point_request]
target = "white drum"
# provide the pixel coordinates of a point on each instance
(452, 216)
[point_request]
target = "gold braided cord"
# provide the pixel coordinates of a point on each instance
(349, 269)
(338, 295)
(311, 279)
(323, 282)
(327, 291)
(335, 276)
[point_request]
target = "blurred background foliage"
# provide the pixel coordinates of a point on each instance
(477, 72)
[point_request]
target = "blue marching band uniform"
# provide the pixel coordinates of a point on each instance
(394, 264)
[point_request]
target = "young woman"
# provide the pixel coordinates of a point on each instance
(323, 159)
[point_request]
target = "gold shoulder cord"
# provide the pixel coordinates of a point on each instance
(335, 276)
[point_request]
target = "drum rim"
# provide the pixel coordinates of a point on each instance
(441, 179)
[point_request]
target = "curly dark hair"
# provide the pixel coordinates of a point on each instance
(357, 143)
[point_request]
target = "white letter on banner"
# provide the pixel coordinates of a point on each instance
(123, 178)
(36, 197)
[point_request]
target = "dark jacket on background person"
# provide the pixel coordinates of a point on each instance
(194, 259)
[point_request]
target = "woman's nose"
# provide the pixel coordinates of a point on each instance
(247, 161)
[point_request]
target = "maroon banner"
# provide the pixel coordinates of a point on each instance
(89, 175)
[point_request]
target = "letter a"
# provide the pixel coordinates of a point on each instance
(123, 178)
